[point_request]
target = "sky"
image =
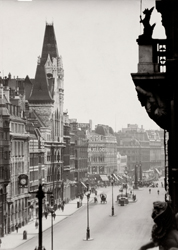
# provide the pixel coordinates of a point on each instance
(97, 41)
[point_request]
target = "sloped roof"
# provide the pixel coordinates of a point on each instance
(35, 119)
(104, 130)
(40, 92)
(43, 87)
(49, 44)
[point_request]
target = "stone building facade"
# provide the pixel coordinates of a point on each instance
(4, 162)
(46, 101)
(16, 197)
(143, 148)
(80, 150)
(102, 151)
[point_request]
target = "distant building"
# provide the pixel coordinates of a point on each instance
(102, 151)
(144, 148)
(81, 153)
(121, 163)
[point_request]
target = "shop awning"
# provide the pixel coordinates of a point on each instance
(157, 171)
(120, 177)
(104, 178)
(115, 176)
(83, 184)
(126, 176)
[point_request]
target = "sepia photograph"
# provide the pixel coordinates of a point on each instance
(88, 124)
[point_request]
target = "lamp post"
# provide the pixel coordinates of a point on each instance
(88, 228)
(112, 208)
(40, 194)
(52, 211)
(126, 181)
(136, 177)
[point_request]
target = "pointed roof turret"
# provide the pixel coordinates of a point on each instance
(49, 44)
(43, 87)
(40, 92)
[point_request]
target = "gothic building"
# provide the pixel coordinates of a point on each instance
(46, 101)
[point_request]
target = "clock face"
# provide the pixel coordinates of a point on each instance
(23, 181)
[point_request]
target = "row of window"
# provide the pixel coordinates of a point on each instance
(17, 128)
(17, 168)
(34, 175)
(4, 153)
(4, 173)
(35, 159)
(97, 170)
(17, 148)
(4, 136)
(96, 159)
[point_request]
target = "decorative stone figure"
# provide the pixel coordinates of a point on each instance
(156, 105)
(148, 29)
(164, 232)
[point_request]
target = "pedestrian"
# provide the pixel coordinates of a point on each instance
(150, 190)
(0, 242)
(81, 197)
(46, 214)
(158, 191)
(54, 216)
(16, 227)
(36, 224)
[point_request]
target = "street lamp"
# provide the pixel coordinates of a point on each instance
(126, 183)
(112, 208)
(40, 195)
(88, 228)
(52, 212)
(136, 177)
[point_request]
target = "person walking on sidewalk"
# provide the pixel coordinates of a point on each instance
(16, 227)
(46, 214)
(62, 205)
(36, 224)
(158, 191)
(0, 243)
(54, 216)
(150, 191)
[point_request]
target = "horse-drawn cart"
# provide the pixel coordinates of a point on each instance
(103, 198)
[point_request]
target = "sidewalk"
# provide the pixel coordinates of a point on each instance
(12, 240)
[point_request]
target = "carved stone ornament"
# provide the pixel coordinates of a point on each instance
(148, 29)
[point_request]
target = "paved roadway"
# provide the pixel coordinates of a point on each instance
(127, 230)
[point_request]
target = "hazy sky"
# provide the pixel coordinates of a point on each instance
(97, 41)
